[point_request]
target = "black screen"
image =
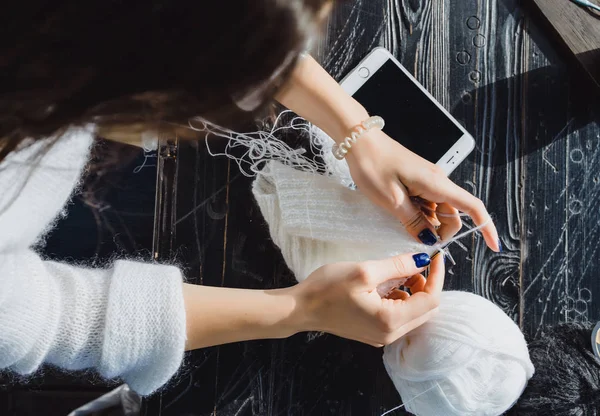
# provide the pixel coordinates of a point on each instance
(411, 118)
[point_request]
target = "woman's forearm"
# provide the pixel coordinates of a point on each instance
(216, 315)
(313, 94)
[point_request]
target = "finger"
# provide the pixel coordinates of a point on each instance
(426, 206)
(416, 283)
(450, 222)
(412, 280)
(431, 216)
(412, 308)
(414, 324)
(412, 217)
(422, 202)
(435, 279)
(424, 301)
(377, 272)
(469, 204)
(386, 287)
(398, 294)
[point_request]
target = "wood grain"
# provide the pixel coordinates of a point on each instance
(579, 30)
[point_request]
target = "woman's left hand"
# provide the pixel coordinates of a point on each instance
(387, 172)
(390, 174)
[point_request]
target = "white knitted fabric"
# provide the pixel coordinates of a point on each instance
(316, 220)
(125, 321)
(470, 359)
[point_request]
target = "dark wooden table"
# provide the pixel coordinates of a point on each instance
(536, 166)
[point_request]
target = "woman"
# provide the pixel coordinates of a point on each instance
(72, 71)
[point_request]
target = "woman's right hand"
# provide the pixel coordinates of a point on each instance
(343, 299)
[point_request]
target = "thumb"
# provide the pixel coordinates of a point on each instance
(399, 268)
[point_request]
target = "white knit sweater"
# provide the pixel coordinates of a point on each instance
(125, 321)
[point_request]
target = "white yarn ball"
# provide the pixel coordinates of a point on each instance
(469, 359)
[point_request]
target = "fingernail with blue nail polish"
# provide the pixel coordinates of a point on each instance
(427, 237)
(422, 259)
(500, 245)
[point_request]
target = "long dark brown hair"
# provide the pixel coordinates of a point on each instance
(138, 64)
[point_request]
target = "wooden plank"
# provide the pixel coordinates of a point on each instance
(582, 197)
(491, 37)
(559, 197)
(544, 129)
(578, 28)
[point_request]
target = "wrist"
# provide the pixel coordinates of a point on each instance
(347, 118)
(307, 300)
(281, 317)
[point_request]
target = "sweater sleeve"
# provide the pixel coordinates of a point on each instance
(126, 321)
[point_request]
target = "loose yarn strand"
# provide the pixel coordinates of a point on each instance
(464, 234)
(263, 145)
(404, 404)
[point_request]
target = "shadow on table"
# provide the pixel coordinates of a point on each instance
(518, 115)
(591, 61)
(523, 113)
